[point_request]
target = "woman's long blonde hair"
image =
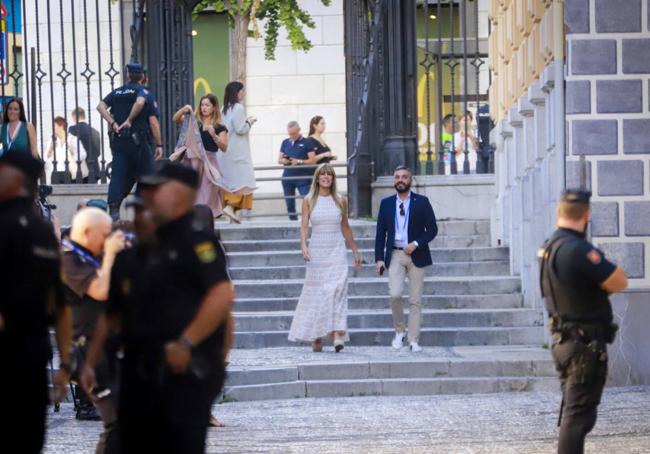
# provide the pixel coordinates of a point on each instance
(314, 191)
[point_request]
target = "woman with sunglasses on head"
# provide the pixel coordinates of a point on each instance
(323, 304)
(201, 153)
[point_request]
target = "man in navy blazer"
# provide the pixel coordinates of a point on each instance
(405, 226)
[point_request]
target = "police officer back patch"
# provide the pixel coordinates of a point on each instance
(594, 257)
(205, 252)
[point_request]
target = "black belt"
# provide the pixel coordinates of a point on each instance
(398, 248)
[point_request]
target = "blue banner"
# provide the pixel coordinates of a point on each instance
(13, 9)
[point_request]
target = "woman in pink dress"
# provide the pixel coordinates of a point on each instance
(199, 142)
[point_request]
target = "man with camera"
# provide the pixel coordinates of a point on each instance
(86, 275)
(32, 296)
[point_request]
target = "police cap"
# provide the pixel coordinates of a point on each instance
(25, 162)
(172, 171)
(574, 195)
(134, 68)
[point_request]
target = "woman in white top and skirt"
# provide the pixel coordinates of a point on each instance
(65, 147)
(323, 305)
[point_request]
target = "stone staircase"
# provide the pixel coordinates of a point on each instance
(477, 335)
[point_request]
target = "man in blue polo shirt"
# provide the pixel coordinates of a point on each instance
(294, 153)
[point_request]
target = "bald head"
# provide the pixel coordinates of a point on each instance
(90, 227)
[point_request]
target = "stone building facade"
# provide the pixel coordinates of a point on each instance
(582, 120)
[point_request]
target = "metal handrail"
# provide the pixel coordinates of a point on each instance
(283, 213)
(304, 166)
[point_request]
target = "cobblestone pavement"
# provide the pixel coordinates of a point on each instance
(518, 423)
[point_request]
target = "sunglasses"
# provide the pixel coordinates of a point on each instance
(401, 209)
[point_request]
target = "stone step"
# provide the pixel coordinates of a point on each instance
(291, 288)
(281, 321)
(498, 301)
(386, 369)
(389, 387)
(291, 230)
(294, 257)
(446, 337)
(487, 268)
(442, 241)
(278, 373)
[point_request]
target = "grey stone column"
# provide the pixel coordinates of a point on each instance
(400, 74)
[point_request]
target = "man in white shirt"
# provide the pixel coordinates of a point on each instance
(405, 226)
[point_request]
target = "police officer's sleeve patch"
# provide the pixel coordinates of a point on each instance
(594, 257)
(206, 252)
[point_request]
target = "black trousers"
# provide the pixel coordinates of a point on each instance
(167, 415)
(583, 374)
(130, 162)
(24, 403)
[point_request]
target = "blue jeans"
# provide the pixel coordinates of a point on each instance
(289, 187)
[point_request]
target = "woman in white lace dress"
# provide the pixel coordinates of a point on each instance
(323, 305)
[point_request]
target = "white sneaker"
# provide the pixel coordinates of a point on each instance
(415, 347)
(229, 212)
(398, 342)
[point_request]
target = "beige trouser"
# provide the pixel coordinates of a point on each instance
(401, 267)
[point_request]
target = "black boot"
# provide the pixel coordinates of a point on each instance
(114, 211)
(86, 410)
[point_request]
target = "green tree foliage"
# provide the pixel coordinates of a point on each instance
(275, 14)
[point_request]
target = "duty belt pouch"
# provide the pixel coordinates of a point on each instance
(563, 351)
(589, 364)
(135, 136)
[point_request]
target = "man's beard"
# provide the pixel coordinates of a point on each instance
(403, 188)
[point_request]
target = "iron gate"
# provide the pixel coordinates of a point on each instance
(453, 82)
(59, 56)
(67, 55)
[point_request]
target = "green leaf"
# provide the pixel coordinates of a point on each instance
(278, 14)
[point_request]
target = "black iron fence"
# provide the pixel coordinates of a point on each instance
(453, 82)
(67, 55)
(449, 64)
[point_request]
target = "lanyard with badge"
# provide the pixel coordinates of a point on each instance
(83, 255)
(11, 138)
(400, 231)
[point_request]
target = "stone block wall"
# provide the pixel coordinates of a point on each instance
(522, 44)
(296, 86)
(528, 109)
(608, 124)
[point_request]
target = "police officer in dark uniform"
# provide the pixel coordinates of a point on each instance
(106, 341)
(32, 298)
(173, 300)
(576, 281)
(128, 110)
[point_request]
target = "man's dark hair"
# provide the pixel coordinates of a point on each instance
(79, 114)
(402, 167)
(447, 118)
(134, 77)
